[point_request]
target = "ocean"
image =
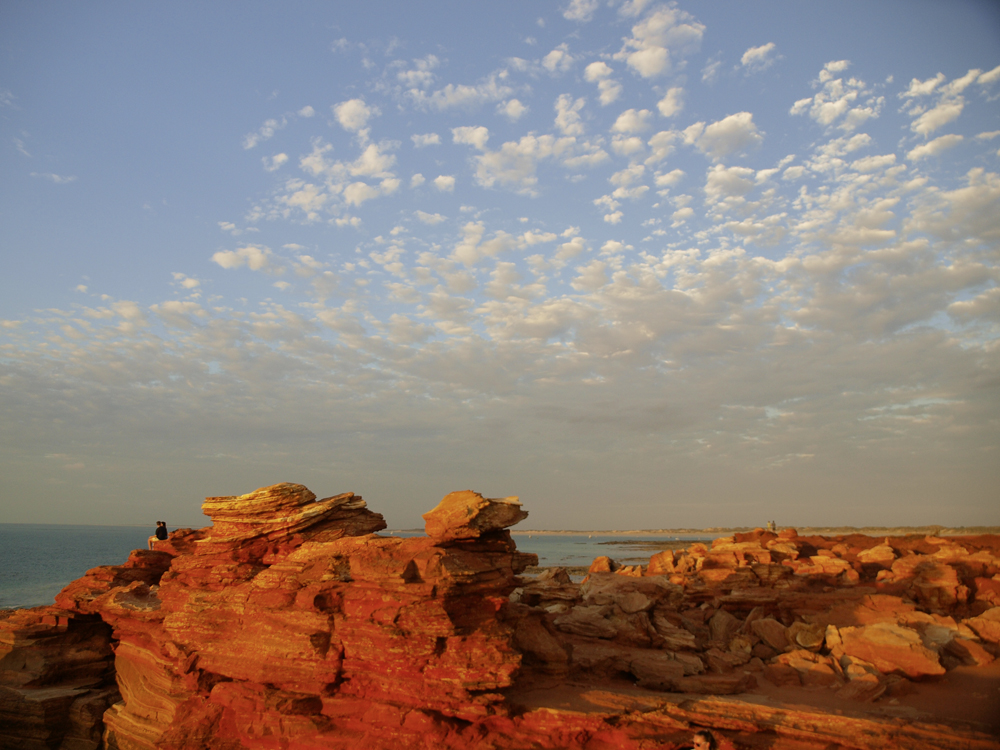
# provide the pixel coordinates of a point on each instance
(38, 560)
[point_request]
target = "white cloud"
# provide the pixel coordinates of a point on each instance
(838, 99)
(968, 212)
(186, 281)
(958, 85)
(425, 139)
(581, 10)
(353, 114)
(681, 215)
(923, 88)
(990, 77)
(254, 257)
(473, 246)
(493, 89)
(420, 75)
(275, 162)
(373, 162)
(935, 147)
(633, 121)
(472, 136)
(628, 176)
(661, 145)
(568, 115)
(266, 131)
(444, 183)
(591, 276)
(56, 178)
(427, 218)
(727, 136)
(597, 71)
(938, 117)
(671, 104)
(534, 238)
(985, 306)
(515, 163)
(558, 60)
(417, 180)
(600, 73)
(832, 68)
(711, 71)
(793, 173)
(669, 179)
(665, 33)
(873, 163)
(512, 109)
(722, 182)
(757, 59)
(306, 111)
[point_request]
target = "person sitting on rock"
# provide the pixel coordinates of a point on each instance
(160, 535)
(704, 740)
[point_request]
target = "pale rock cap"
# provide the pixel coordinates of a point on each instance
(469, 515)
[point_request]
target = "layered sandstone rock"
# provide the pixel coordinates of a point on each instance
(289, 623)
(56, 679)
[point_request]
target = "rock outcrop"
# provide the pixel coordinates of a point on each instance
(290, 623)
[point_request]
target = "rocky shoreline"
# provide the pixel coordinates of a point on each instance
(291, 623)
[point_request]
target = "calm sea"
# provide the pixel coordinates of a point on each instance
(38, 560)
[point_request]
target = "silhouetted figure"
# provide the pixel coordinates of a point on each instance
(160, 535)
(704, 740)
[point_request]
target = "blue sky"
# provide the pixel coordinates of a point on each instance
(643, 264)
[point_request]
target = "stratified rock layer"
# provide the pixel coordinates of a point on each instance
(289, 623)
(469, 515)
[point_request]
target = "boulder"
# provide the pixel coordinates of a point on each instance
(882, 555)
(469, 515)
(771, 632)
(891, 648)
(662, 563)
(987, 625)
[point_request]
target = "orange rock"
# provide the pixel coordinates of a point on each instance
(662, 563)
(771, 632)
(987, 590)
(891, 648)
(290, 624)
(603, 564)
(468, 515)
(987, 625)
(814, 670)
(882, 555)
(968, 652)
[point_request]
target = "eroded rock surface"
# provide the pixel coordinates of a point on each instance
(290, 623)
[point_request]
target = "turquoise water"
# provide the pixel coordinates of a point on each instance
(38, 560)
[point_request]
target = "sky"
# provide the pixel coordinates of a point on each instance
(642, 264)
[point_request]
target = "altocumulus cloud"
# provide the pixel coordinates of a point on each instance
(591, 305)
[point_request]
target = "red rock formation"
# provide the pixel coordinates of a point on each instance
(290, 624)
